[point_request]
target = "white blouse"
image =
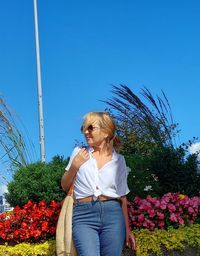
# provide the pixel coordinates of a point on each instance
(110, 180)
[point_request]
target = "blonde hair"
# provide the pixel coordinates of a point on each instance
(106, 124)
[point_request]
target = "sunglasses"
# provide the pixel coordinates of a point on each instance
(90, 128)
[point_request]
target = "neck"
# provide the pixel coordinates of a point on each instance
(103, 149)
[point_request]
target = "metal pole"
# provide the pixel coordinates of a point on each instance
(40, 105)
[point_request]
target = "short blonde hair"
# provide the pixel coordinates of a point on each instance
(105, 122)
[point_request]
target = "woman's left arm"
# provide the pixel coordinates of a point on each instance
(130, 239)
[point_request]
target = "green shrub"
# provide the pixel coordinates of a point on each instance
(162, 170)
(176, 170)
(36, 182)
(163, 242)
(25, 249)
(140, 180)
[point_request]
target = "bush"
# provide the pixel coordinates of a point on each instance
(36, 182)
(176, 170)
(25, 249)
(140, 180)
(161, 170)
(162, 242)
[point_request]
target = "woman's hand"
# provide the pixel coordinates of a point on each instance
(130, 240)
(80, 158)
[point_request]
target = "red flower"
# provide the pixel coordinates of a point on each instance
(45, 226)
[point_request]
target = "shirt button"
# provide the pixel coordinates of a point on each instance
(97, 187)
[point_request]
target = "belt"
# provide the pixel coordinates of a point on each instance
(94, 198)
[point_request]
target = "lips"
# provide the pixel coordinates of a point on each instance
(87, 137)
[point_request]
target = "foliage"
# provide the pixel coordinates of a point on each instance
(47, 248)
(173, 209)
(164, 169)
(148, 132)
(36, 182)
(35, 222)
(155, 242)
(175, 170)
(141, 181)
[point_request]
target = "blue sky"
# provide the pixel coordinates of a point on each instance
(85, 46)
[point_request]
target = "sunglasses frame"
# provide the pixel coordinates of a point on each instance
(90, 128)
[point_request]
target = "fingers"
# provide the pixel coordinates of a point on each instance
(131, 243)
(80, 158)
(84, 153)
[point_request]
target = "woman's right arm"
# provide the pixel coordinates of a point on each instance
(68, 177)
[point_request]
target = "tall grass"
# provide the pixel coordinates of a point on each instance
(15, 149)
(147, 116)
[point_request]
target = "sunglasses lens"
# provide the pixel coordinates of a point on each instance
(90, 128)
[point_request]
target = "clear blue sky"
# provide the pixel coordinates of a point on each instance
(88, 45)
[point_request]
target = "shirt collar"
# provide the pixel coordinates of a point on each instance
(114, 155)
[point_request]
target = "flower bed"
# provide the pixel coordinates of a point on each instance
(35, 222)
(171, 242)
(159, 224)
(173, 209)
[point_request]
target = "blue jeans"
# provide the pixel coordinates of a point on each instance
(98, 228)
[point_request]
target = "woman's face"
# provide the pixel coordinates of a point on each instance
(94, 135)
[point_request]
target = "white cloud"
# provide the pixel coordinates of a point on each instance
(194, 148)
(3, 189)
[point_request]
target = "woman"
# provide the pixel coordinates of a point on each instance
(100, 218)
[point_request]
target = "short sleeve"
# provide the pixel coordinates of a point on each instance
(74, 153)
(122, 185)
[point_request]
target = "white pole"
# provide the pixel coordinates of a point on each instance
(40, 105)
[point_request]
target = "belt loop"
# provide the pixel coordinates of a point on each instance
(77, 201)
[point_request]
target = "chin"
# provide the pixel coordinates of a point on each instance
(89, 141)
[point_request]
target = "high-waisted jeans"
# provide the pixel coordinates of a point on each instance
(98, 228)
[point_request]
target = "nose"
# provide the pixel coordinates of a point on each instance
(86, 132)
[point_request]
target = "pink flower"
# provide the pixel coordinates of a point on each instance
(161, 224)
(163, 205)
(141, 217)
(149, 224)
(173, 217)
(180, 220)
(171, 207)
(190, 210)
(160, 215)
(151, 212)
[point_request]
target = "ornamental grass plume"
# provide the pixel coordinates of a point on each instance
(150, 117)
(15, 149)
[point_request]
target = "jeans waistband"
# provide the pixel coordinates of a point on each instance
(94, 198)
